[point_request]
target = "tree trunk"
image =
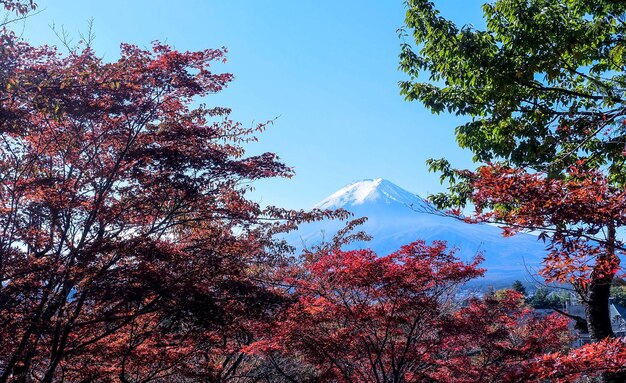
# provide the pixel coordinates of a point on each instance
(597, 304)
(597, 310)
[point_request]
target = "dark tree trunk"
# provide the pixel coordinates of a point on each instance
(599, 321)
(597, 310)
(597, 304)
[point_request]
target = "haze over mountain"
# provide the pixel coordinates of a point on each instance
(397, 217)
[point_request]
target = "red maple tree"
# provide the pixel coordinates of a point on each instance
(128, 249)
(358, 317)
(577, 214)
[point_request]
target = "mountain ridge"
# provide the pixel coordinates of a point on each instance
(397, 217)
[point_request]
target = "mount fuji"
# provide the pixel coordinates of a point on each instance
(397, 217)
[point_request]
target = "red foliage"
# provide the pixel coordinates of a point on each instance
(578, 213)
(358, 317)
(570, 211)
(20, 7)
(590, 360)
(128, 250)
(498, 338)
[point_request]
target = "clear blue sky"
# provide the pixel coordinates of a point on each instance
(327, 69)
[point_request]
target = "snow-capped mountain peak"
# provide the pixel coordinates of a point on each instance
(374, 191)
(397, 217)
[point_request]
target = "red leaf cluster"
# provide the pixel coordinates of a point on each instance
(20, 7)
(358, 317)
(128, 248)
(570, 211)
(590, 360)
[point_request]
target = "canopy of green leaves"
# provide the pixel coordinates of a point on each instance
(543, 84)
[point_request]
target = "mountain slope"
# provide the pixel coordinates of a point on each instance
(397, 217)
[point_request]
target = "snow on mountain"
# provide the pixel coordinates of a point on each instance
(397, 217)
(377, 191)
